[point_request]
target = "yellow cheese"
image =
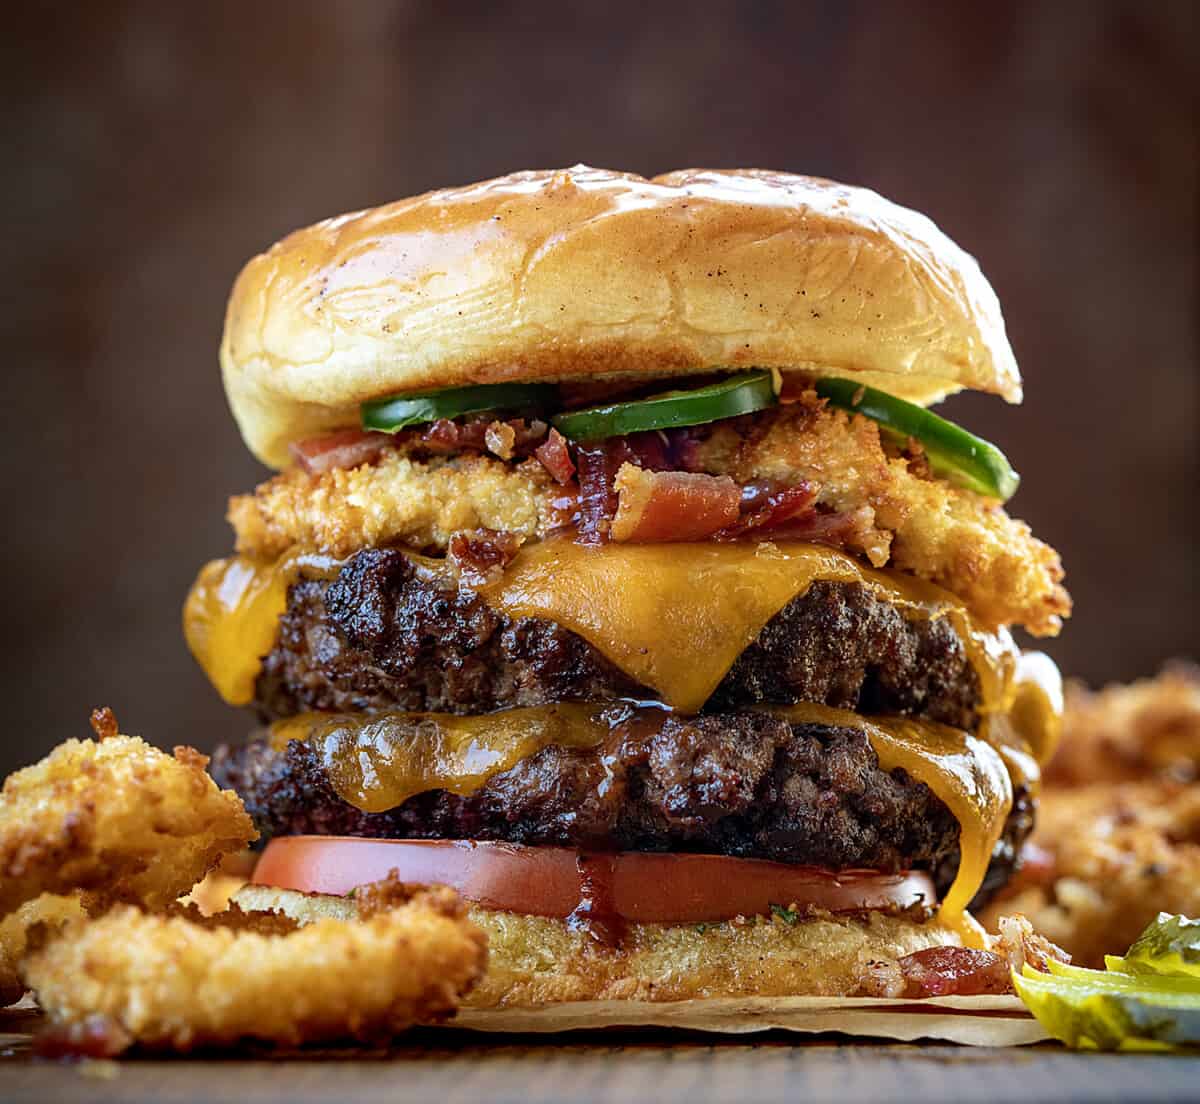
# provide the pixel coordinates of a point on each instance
(1037, 709)
(231, 616)
(674, 617)
(378, 761)
(967, 774)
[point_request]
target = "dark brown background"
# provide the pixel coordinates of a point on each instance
(151, 148)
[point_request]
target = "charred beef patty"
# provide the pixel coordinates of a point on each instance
(748, 785)
(381, 636)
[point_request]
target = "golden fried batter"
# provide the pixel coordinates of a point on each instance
(421, 504)
(12, 988)
(534, 959)
(955, 538)
(1118, 833)
(1148, 729)
(49, 910)
(896, 515)
(179, 982)
(116, 817)
(1112, 858)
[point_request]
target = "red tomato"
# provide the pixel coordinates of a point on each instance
(549, 881)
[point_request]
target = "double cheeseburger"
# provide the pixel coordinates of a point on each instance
(616, 574)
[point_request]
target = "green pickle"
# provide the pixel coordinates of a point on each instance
(1171, 945)
(1147, 1000)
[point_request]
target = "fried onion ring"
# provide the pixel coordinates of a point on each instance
(12, 988)
(49, 910)
(116, 817)
(181, 981)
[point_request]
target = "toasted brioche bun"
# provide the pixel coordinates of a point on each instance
(582, 273)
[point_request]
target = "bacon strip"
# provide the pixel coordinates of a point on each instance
(344, 448)
(515, 437)
(598, 465)
(348, 448)
(556, 457)
(954, 971)
(481, 555)
(673, 505)
(765, 507)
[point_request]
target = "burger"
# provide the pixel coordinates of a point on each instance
(616, 574)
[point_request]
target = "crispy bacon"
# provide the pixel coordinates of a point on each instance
(768, 507)
(771, 512)
(556, 457)
(348, 448)
(481, 555)
(344, 448)
(954, 971)
(672, 505)
(515, 437)
(598, 465)
(597, 499)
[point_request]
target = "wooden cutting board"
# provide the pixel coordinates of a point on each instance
(450, 1067)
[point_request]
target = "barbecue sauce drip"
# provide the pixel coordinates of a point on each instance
(596, 914)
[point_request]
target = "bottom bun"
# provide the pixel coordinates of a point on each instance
(535, 960)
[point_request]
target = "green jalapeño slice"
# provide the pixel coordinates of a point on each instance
(743, 393)
(398, 412)
(954, 454)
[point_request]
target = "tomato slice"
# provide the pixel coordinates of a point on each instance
(555, 881)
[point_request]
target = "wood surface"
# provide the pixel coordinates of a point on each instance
(449, 1067)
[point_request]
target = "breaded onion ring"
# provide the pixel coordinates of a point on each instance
(182, 981)
(12, 988)
(116, 817)
(51, 912)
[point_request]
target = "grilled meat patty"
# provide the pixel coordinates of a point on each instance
(742, 784)
(382, 636)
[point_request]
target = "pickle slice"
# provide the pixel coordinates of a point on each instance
(1110, 1014)
(1170, 946)
(1147, 1000)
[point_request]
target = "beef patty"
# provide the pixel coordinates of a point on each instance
(383, 636)
(742, 784)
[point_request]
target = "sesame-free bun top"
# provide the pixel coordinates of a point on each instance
(583, 273)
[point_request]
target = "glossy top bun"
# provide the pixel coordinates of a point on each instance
(584, 273)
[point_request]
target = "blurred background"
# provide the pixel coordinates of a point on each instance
(152, 148)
